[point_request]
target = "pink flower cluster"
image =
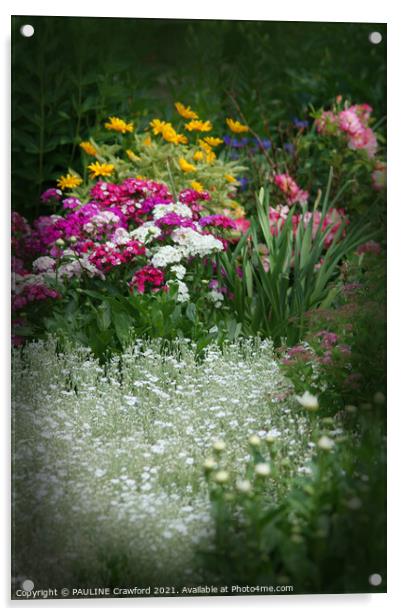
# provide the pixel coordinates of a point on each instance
(147, 275)
(32, 293)
(330, 224)
(128, 225)
(105, 256)
(292, 192)
(353, 122)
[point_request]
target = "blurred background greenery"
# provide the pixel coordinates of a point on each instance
(75, 72)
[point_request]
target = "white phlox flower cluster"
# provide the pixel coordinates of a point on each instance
(161, 209)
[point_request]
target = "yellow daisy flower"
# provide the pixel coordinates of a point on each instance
(186, 112)
(69, 181)
(185, 166)
(198, 155)
(236, 126)
(181, 139)
(199, 125)
(205, 146)
(238, 210)
(118, 125)
(103, 169)
(213, 141)
(168, 132)
(88, 148)
(197, 186)
(210, 156)
(230, 178)
(157, 126)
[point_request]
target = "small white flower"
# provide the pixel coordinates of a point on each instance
(308, 401)
(161, 209)
(254, 440)
(166, 255)
(221, 476)
(219, 446)
(146, 233)
(262, 469)
(209, 464)
(325, 443)
(179, 271)
(243, 485)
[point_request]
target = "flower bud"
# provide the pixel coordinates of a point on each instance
(325, 443)
(219, 446)
(262, 469)
(243, 485)
(209, 464)
(221, 477)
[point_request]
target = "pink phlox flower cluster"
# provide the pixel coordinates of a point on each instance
(172, 219)
(215, 284)
(327, 123)
(328, 339)
(147, 275)
(190, 196)
(32, 292)
(369, 247)
(52, 194)
(292, 192)
(71, 203)
(330, 224)
(17, 266)
(109, 255)
(352, 121)
(217, 220)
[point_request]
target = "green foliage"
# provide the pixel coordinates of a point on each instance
(159, 161)
(353, 366)
(316, 536)
(62, 85)
(100, 316)
(301, 275)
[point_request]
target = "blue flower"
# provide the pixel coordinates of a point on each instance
(289, 148)
(243, 183)
(301, 124)
(233, 142)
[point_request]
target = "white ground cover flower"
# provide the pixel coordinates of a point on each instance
(110, 461)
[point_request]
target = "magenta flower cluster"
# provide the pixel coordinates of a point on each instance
(137, 224)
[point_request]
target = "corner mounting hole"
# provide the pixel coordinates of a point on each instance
(375, 38)
(375, 579)
(27, 30)
(28, 585)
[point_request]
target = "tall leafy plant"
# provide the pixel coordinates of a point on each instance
(302, 272)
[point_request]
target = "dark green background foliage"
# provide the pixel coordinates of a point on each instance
(75, 72)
